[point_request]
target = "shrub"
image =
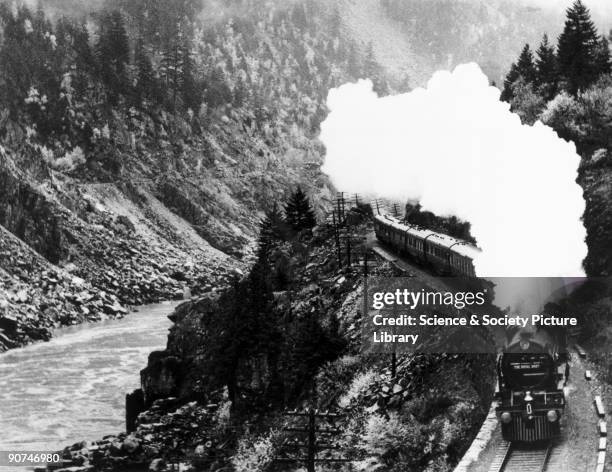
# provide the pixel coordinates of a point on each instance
(358, 387)
(395, 440)
(70, 161)
(255, 455)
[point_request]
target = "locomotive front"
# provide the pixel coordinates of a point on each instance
(531, 376)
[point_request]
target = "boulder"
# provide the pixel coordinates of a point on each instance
(115, 447)
(8, 323)
(134, 405)
(161, 376)
(130, 444)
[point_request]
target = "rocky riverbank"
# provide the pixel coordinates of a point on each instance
(203, 408)
(36, 297)
(110, 262)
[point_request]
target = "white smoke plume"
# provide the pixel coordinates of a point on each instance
(459, 150)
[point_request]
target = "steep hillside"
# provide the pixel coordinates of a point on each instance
(285, 336)
(140, 158)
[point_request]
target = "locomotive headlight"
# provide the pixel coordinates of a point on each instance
(552, 416)
(506, 417)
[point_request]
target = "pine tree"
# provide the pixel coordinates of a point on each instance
(546, 66)
(577, 49)
(299, 214)
(603, 56)
(171, 67)
(146, 86)
(217, 92)
(511, 77)
(526, 66)
(271, 229)
(192, 96)
(85, 60)
(113, 53)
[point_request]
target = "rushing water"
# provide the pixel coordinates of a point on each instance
(73, 387)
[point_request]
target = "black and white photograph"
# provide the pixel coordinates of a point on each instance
(305, 235)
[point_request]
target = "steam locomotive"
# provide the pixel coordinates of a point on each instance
(531, 374)
(447, 255)
(532, 369)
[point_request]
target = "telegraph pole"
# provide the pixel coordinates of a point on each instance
(376, 203)
(337, 238)
(304, 448)
(340, 202)
(395, 210)
(312, 441)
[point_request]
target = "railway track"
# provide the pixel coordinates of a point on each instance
(510, 458)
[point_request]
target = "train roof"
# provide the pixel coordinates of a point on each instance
(458, 245)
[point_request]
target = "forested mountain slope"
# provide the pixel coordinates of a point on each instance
(142, 143)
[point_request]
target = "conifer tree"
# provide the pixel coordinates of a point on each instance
(525, 65)
(577, 49)
(511, 77)
(217, 92)
(271, 229)
(299, 214)
(113, 53)
(192, 97)
(524, 69)
(84, 59)
(546, 66)
(146, 86)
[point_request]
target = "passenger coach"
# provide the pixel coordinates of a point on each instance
(448, 255)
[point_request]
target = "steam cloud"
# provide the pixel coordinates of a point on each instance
(459, 150)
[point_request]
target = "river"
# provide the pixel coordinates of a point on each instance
(73, 387)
